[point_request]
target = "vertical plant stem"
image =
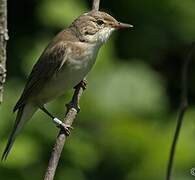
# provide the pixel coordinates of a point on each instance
(3, 42)
(182, 109)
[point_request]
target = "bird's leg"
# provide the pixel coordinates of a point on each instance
(59, 123)
(74, 102)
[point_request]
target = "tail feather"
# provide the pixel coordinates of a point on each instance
(25, 112)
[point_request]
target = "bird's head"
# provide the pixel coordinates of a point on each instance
(96, 27)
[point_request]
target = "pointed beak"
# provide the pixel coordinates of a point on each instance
(120, 25)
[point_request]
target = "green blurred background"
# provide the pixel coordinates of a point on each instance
(127, 119)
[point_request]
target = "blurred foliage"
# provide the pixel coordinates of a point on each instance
(126, 124)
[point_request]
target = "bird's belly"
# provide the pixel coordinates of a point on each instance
(67, 78)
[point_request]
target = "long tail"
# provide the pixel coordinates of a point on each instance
(24, 114)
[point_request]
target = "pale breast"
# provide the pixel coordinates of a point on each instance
(71, 73)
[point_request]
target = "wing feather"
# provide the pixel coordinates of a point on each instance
(48, 64)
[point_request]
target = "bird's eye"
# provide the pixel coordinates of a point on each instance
(100, 22)
(89, 32)
(86, 33)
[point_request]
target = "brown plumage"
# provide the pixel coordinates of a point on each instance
(63, 64)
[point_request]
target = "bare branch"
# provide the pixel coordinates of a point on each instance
(96, 5)
(3, 40)
(61, 138)
(182, 109)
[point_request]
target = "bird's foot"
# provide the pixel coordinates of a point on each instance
(64, 127)
(82, 84)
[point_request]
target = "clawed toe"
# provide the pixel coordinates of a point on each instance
(66, 128)
(82, 84)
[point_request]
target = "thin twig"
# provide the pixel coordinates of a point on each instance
(61, 138)
(182, 109)
(96, 5)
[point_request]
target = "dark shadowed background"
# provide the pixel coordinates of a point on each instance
(128, 115)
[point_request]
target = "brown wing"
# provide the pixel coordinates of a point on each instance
(49, 62)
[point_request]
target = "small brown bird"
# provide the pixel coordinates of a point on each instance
(63, 64)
